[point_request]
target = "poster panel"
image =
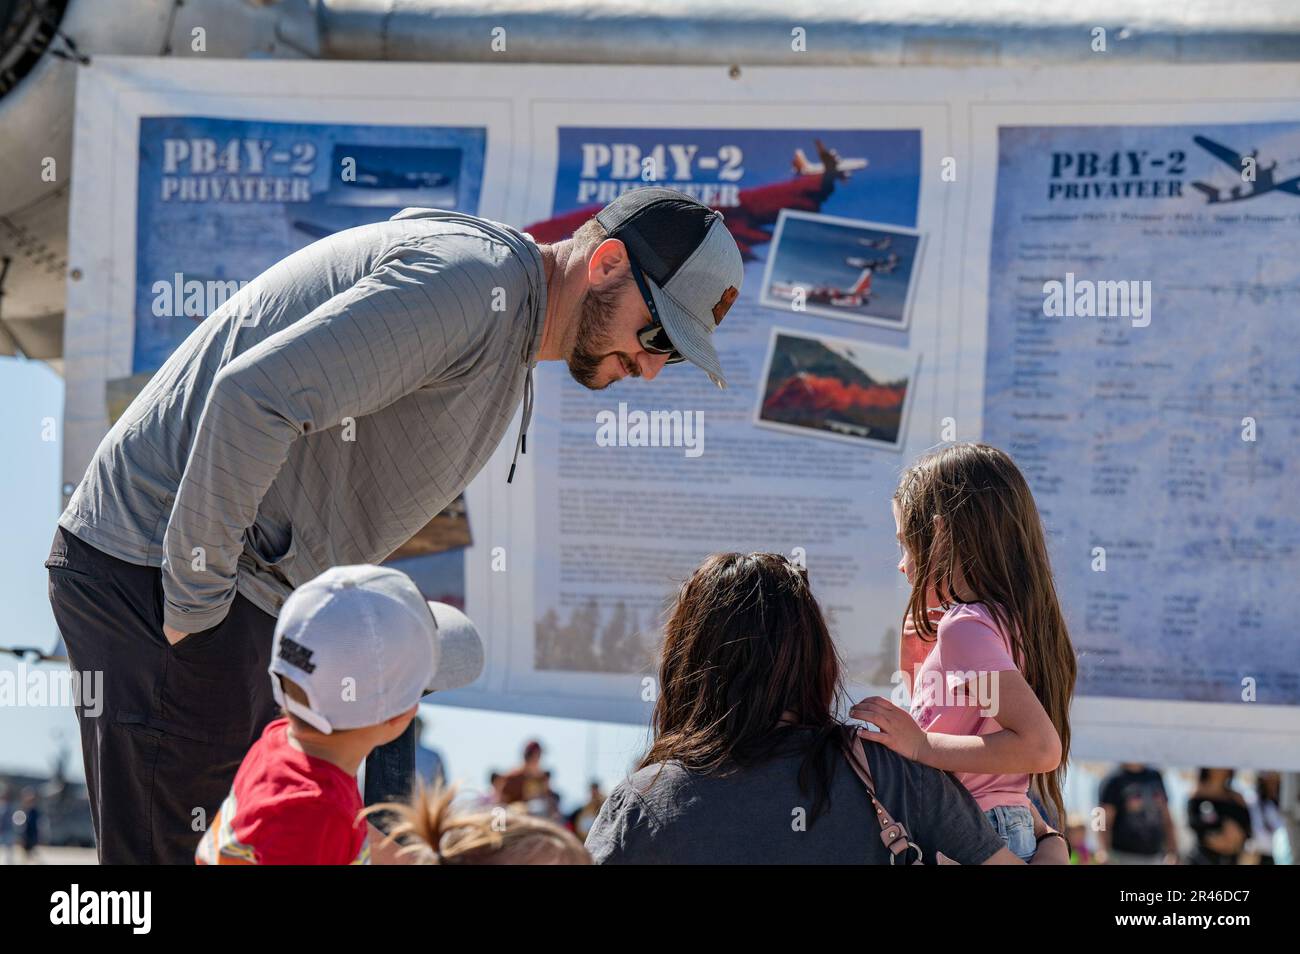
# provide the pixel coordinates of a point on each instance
(902, 231)
(1137, 364)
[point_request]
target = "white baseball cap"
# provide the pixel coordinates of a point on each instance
(364, 645)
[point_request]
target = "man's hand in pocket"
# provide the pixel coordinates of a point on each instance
(174, 636)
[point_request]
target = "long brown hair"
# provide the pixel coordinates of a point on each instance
(966, 513)
(745, 643)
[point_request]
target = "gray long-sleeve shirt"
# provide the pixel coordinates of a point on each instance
(323, 415)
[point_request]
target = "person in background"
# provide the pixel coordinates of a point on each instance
(527, 781)
(431, 831)
(547, 805)
(31, 812)
(1139, 829)
(8, 834)
(1218, 816)
(581, 820)
(1076, 833)
(430, 766)
(492, 797)
(1265, 816)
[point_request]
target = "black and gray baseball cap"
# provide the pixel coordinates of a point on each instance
(692, 263)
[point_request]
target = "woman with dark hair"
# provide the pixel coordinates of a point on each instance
(749, 763)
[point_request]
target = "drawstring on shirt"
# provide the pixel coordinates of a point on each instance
(521, 442)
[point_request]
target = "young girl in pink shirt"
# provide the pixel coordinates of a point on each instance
(985, 650)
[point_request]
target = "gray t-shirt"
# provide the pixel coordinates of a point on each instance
(323, 415)
(664, 814)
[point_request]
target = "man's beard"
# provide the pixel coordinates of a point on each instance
(592, 345)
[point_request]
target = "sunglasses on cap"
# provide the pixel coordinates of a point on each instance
(653, 337)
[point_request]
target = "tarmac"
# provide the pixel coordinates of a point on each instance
(55, 856)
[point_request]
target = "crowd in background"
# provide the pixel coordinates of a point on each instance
(1225, 820)
(526, 788)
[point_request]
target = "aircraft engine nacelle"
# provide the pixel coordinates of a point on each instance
(41, 44)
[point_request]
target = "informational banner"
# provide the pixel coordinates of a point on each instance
(714, 470)
(1165, 386)
(221, 200)
(1094, 271)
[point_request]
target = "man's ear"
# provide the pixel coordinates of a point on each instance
(607, 260)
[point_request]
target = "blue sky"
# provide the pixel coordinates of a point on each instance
(473, 742)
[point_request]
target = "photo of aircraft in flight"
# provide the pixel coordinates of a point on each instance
(391, 179)
(847, 429)
(833, 387)
(384, 180)
(1262, 183)
(394, 176)
(855, 296)
(879, 266)
(849, 269)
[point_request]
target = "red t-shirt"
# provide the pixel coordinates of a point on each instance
(286, 808)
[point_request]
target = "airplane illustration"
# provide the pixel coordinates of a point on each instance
(855, 296)
(841, 167)
(750, 222)
(388, 179)
(878, 266)
(848, 429)
(879, 244)
(1264, 175)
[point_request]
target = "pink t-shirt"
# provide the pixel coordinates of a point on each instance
(955, 688)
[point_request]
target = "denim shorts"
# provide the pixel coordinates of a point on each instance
(1015, 826)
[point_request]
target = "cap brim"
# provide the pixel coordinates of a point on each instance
(459, 649)
(305, 713)
(687, 334)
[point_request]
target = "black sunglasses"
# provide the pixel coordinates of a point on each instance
(653, 337)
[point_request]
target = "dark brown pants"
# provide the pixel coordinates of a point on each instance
(174, 721)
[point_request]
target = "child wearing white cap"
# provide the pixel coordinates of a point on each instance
(354, 651)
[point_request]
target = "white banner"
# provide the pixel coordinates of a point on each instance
(1096, 270)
